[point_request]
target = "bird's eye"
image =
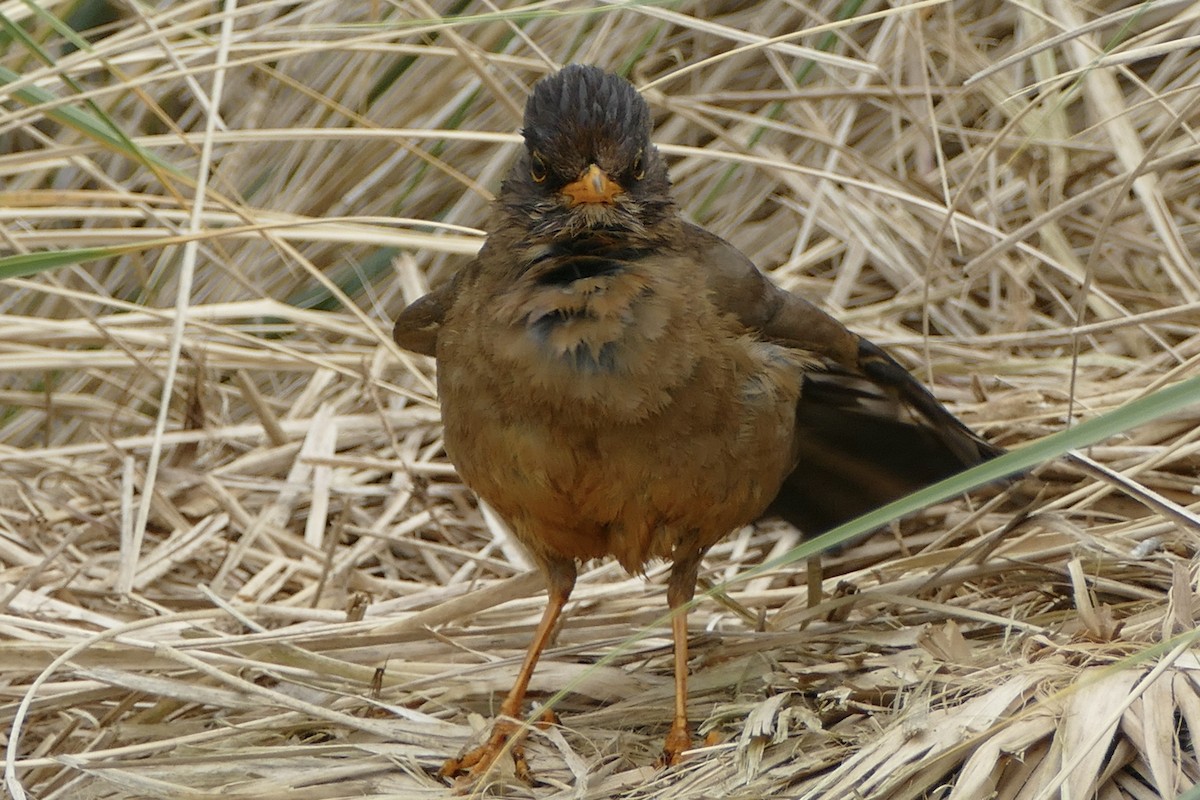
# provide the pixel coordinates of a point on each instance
(639, 167)
(537, 167)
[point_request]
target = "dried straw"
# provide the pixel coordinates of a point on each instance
(315, 607)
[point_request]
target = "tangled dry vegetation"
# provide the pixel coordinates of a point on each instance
(285, 591)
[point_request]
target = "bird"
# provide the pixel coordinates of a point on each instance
(617, 382)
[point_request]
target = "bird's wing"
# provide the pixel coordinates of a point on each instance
(867, 432)
(417, 327)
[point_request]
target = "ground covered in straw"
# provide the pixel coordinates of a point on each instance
(279, 589)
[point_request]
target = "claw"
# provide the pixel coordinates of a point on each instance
(677, 741)
(474, 766)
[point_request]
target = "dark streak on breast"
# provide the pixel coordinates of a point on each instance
(581, 357)
(590, 257)
(541, 326)
(558, 267)
(576, 267)
(587, 361)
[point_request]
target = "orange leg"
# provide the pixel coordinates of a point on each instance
(508, 730)
(680, 591)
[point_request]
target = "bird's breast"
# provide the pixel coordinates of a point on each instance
(595, 325)
(604, 404)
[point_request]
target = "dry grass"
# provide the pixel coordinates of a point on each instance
(285, 592)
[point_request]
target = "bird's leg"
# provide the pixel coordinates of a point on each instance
(680, 589)
(507, 730)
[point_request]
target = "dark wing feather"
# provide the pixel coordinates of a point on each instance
(867, 432)
(417, 327)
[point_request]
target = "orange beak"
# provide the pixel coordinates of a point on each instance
(593, 186)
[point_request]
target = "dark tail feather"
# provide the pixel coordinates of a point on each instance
(868, 439)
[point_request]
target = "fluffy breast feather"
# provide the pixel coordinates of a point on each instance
(593, 412)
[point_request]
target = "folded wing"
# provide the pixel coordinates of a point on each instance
(867, 431)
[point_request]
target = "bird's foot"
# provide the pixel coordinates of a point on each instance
(547, 719)
(471, 768)
(678, 739)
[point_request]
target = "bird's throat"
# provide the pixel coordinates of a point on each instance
(583, 293)
(584, 314)
(562, 263)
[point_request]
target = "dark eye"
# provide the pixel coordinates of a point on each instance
(537, 167)
(639, 167)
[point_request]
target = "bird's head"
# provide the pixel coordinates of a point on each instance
(588, 164)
